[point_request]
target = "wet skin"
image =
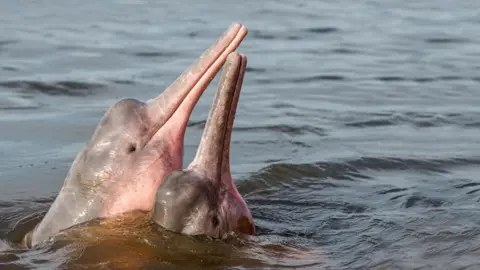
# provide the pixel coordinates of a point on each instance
(202, 199)
(133, 148)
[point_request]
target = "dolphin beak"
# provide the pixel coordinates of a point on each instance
(212, 156)
(172, 109)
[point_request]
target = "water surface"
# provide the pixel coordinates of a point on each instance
(356, 137)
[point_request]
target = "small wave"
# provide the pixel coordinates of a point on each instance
(417, 200)
(285, 129)
(426, 79)
(322, 30)
(5, 204)
(17, 217)
(257, 34)
(473, 184)
(11, 103)
(261, 35)
(338, 77)
(474, 124)
(148, 52)
(293, 176)
(287, 174)
(8, 257)
(8, 42)
(392, 190)
(473, 191)
(309, 79)
(335, 170)
(390, 78)
(152, 54)
(66, 88)
(256, 70)
(467, 186)
(193, 34)
(344, 51)
(129, 82)
(417, 119)
(343, 206)
(320, 78)
(8, 68)
(445, 40)
(5, 43)
(372, 123)
(199, 124)
(430, 165)
(282, 105)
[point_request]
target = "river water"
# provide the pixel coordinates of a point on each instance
(356, 138)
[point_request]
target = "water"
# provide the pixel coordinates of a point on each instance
(356, 137)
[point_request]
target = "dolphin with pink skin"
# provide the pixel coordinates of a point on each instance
(133, 149)
(202, 199)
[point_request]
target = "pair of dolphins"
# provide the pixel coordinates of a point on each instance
(133, 161)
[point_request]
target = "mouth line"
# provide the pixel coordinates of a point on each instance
(225, 166)
(213, 149)
(224, 132)
(227, 130)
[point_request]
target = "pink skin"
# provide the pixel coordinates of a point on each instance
(233, 206)
(134, 147)
(202, 199)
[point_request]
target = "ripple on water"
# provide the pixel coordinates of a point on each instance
(65, 88)
(153, 54)
(286, 129)
(9, 68)
(5, 43)
(443, 78)
(281, 204)
(322, 30)
(446, 40)
(287, 35)
(11, 101)
(416, 119)
(295, 176)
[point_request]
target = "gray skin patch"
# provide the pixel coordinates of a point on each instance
(188, 203)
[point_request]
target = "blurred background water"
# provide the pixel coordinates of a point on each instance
(356, 134)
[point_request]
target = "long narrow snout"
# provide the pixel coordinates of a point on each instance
(202, 199)
(171, 110)
(212, 156)
(133, 148)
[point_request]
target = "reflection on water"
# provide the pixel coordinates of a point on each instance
(355, 143)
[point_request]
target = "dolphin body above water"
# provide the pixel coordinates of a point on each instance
(133, 149)
(202, 199)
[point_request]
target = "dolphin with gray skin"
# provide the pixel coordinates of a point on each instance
(202, 199)
(133, 148)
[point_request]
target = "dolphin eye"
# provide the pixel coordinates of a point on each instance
(215, 221)
(131, 148)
